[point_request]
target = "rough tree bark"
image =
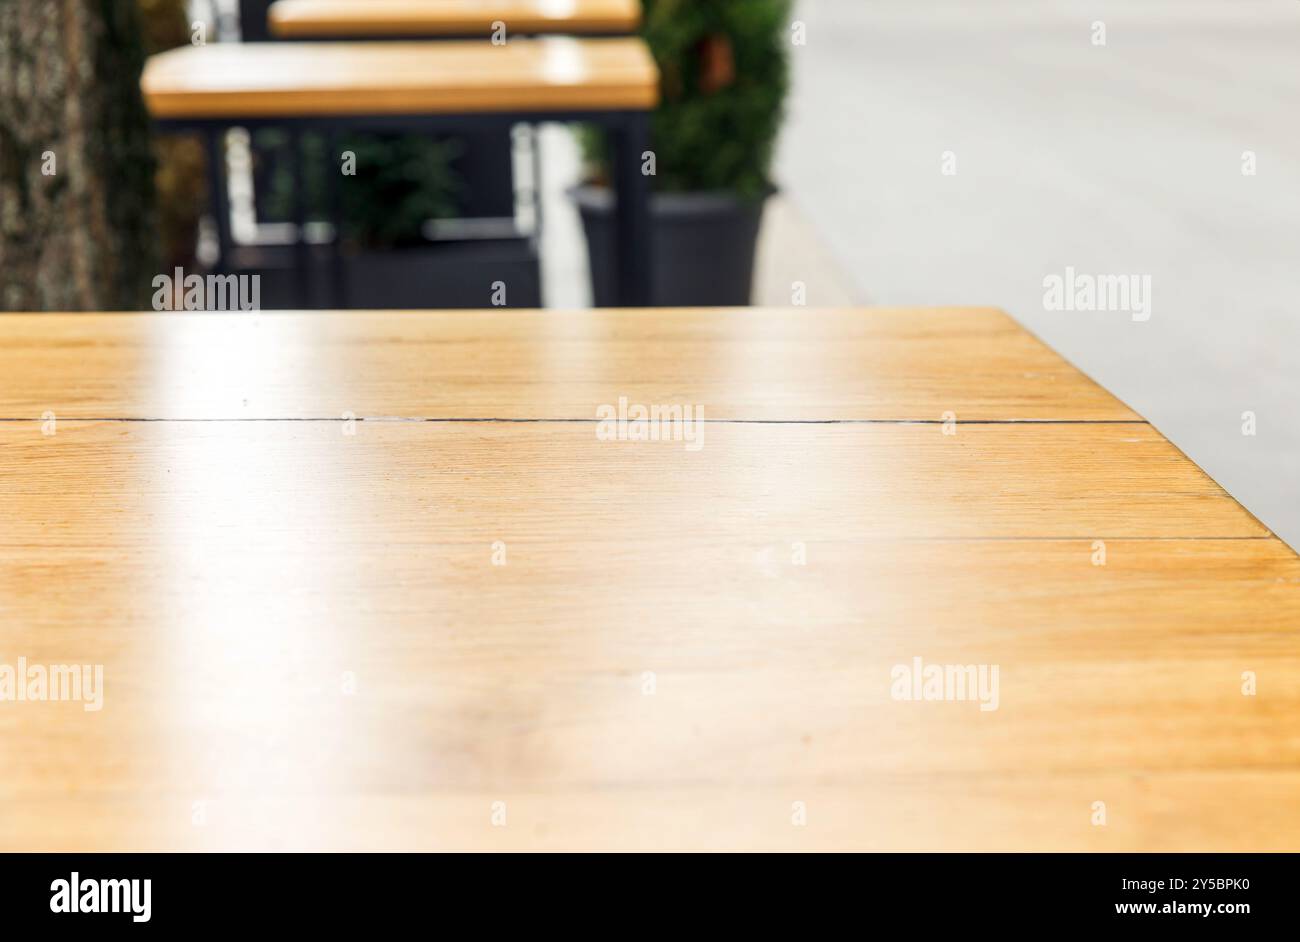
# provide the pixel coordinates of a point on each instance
(76, 169)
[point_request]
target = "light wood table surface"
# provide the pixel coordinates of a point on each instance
(270, 80)
(276, 533)
(316, 19)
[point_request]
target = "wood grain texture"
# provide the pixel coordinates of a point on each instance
(308, 642)
(464, 482)
(1151, 812)
(775, 364)
(261, 80)
(317, 19)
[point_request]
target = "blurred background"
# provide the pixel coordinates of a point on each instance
(923, 152)
(1123, 158)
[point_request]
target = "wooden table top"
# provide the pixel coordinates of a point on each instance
(265, 80)
(374, 580)
(305, 19)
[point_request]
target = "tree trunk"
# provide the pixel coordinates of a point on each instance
(76, 169)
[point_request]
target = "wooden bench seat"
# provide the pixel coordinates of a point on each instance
(290, 80)
(353, 577)
(320, 19)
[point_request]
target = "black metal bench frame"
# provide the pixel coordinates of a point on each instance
(628, 133)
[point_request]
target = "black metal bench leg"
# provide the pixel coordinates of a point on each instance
(215, 141)
(302, 279)
(252, 20)
(334, 172)
(629, 141)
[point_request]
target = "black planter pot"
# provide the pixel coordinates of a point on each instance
(448, 274)
(445, 275)
(703, 245)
